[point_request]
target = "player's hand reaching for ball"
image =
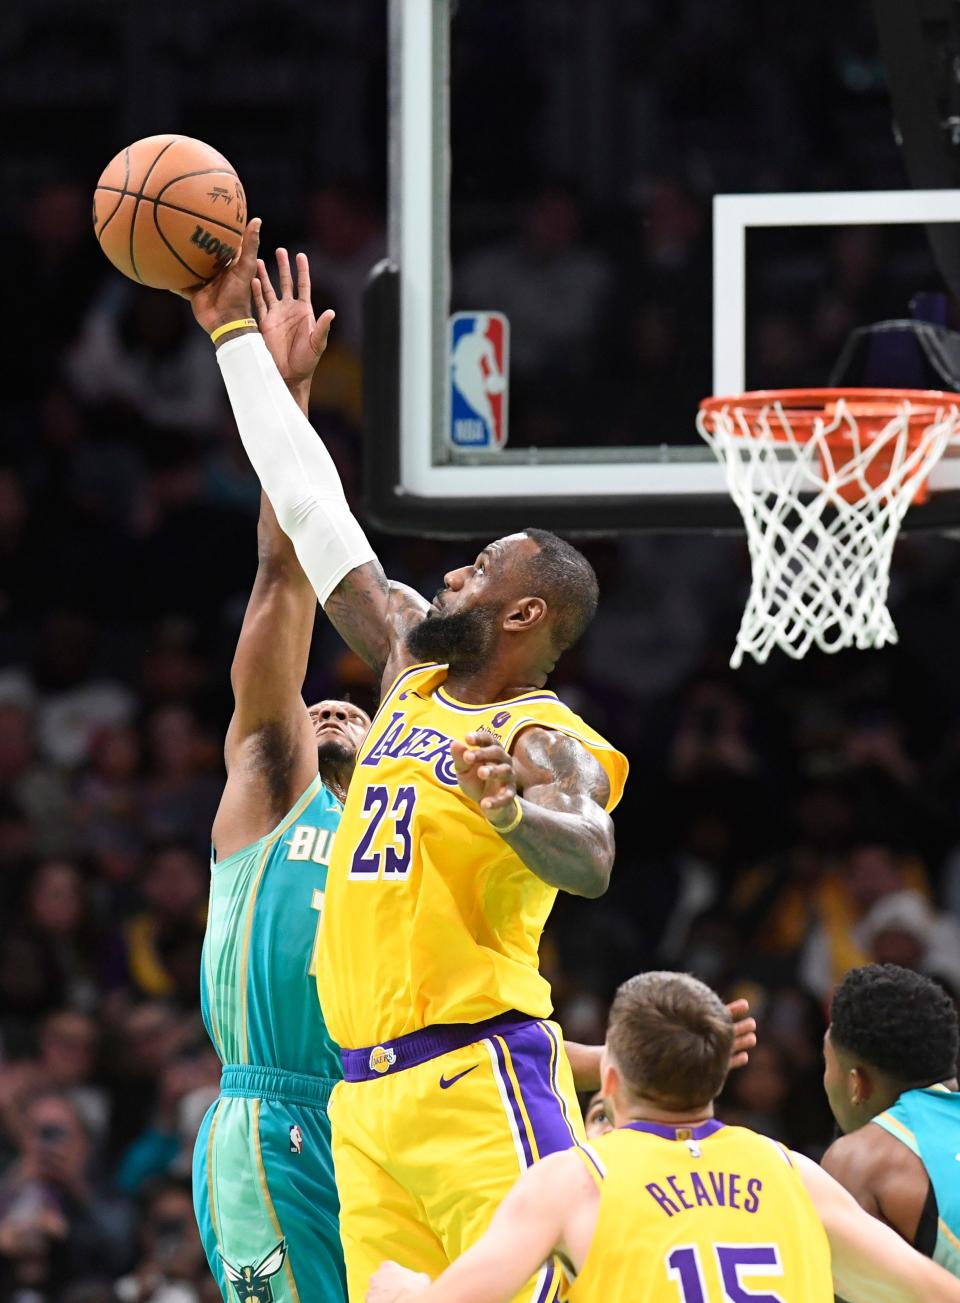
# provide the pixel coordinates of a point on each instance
(227, 296)
(485, 774)
(291, 332)
(391, 1283)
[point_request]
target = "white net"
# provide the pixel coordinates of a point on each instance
(822, 509)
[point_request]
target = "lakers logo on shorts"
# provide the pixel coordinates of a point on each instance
(253, 1283)
(382, 1060)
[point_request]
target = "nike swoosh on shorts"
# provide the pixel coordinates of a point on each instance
(447, 1082)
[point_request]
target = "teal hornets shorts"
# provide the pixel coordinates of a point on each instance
(264, 1189)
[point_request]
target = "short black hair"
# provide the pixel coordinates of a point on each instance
(566, 580)
(897, 1021)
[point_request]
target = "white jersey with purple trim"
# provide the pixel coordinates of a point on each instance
(431, 917)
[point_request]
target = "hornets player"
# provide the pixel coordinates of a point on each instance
(264, 1186)
(672, 1206)
(477, 796)
(891, 1079)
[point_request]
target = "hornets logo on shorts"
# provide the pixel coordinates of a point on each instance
(252, 1284)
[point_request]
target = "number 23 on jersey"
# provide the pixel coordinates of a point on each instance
(385, 849)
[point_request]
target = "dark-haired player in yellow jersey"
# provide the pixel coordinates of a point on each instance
(476, 797)
(672, 1206)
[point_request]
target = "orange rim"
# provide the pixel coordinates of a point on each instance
(804, 407)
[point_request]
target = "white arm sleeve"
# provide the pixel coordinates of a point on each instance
(295, 469)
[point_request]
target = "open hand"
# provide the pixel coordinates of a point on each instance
(485, 774)
(744, 1033)
(391, 1283)
(294, 336)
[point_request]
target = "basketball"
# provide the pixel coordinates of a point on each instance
(169, 212)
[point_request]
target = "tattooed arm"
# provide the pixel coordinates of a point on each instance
(372, 614)
(564, 834)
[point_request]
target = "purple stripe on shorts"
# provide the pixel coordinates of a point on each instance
(531, 1049)
(512, 1099)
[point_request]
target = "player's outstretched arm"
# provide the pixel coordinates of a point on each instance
(871, 1263)
(525, 1230)
(300, 479)
(563, 833)
(270, 750)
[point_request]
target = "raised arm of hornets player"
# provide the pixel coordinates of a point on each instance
(371, 613)
(270, 750)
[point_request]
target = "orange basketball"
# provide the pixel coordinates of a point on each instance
(169, 211)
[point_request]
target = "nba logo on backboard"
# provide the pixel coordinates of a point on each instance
(479, 361)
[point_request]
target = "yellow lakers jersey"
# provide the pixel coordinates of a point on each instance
(700, 1215)
(429, 916)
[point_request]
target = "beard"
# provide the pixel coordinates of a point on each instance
(463, 640)
(334, 753)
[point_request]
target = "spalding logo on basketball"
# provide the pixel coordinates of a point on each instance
(169, 211)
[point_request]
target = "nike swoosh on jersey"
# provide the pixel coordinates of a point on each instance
(447, 1082)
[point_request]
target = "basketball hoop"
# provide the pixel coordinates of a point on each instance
(823, 479)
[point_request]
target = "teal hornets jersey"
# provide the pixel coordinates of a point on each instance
(258, 989)
(928, 1122)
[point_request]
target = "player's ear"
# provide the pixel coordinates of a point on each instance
(524, 614)
(609, 1076)
(859, 1086)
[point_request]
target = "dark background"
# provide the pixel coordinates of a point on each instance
(780, 824)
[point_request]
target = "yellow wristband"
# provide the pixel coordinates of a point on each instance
(231, 325)
(514, 821)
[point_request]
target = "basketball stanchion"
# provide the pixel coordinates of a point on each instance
(823, 479)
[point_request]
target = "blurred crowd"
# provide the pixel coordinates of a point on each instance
(780, 825)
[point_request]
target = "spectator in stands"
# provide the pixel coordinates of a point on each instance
(183, 783)
(34, 784)
(873, 870)
(66, 1061)
(171, 1267)
(137, 351)
(57, 1222)
(904, 928)
(175, 889)
(58, 918)
(144, 1040)
(187, 1088)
